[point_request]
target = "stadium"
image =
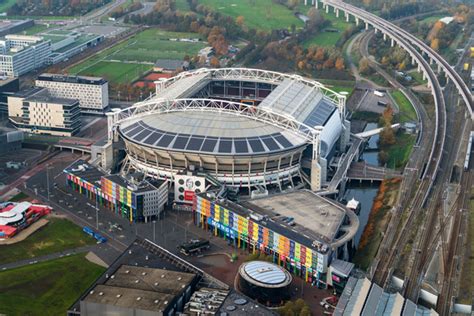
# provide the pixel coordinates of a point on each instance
(247, 128)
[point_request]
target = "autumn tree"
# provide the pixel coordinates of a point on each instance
(214, 62)
(435, 44)
(364, 67)
(217, 40)
(240, 20)
(340, 64)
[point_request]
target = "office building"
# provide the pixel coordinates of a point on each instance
(92, 92)
(20, 54)
(134, 198)
(35, 111)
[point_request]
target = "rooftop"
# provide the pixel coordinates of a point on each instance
(140, 187)
(28, 92)
(85, 171)
(44, 97)
(71, 79)
(212, 132)
(129, 298)
(151, 279)
(313, 216)
(265, 274)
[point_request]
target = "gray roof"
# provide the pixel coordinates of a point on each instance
(209, 132)
(343, 268)
(265, 272)
(306, 104)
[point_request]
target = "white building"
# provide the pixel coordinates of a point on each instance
(92, 92)
(20, 54)
(35, 111)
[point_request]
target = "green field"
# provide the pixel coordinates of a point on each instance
(116, 72)
(128, 60)
(182, 5)
(417, 77)
(57, 235)
(400, 152)
(46, 288)
(37, 28)
(327, 39)
(6, 4)
(339, 85)
(264, 15)
(432, 19)
(407, 112)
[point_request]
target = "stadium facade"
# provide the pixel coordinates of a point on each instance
(247, 128)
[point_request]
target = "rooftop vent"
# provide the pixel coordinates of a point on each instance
(143, 273)
(118, 295)
(139, 298)
(127, 271)
(101, 293)
(156, 301)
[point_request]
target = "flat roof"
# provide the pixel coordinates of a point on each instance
(85, 171)
(129, 298)
(151, 279)
(313, 216)
(27, 92)
(142, 187)
(50, 99)
(209, 132)
(71, 79)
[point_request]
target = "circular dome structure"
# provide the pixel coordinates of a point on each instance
(265, 282)
(245, 127)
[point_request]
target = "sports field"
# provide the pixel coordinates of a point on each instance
(127, 61)
(263, 15)
(46, 288)
(58, 235)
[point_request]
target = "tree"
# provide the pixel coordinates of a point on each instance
(293, 308)
(214, 62)
(435, 44)
(340, 64)
(364, 67)
(387, 116)
(240, 20)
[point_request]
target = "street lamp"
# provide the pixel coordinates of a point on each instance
(154, 231)
(96, 213)
(47, 180)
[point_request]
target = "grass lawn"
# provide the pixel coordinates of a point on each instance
(115, 72)
(264, 15)
(146, 46)
(182, 5)
(417, 77)
(407, 112)
(46, 288)
(432, 19)
(35, 29)
(19, 197)
(339, 85)
(57, 235)
(6, 4)
(400, 152)
(327, 39)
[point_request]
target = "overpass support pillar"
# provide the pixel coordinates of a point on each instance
(357, 21)
(327, 8)
(413, 60)
(439, 68)
(392, 42)
(366, 26)
(447, 78)
(337, 13)
(384, 36)
(315, 175)
(347, 17)
(431, 61)
(316, 4)
(419, 68)
(424, 75)
(305, 2)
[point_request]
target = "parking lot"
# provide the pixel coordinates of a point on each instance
(105, 30)
(373, 103)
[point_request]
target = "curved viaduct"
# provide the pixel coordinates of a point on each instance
(403, 38)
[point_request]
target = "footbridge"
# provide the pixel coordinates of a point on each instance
(365, 172)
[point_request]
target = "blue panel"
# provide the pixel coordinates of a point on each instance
(142, 135)
(320, 114)
(271, 144)
(283, 141)
(209, 144)
(241, 146)
(153, 138)
(166, 140)
(225, 145)
(256, 145)
(195, 143)
(180, 142)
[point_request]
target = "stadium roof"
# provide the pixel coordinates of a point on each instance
(210, 132)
